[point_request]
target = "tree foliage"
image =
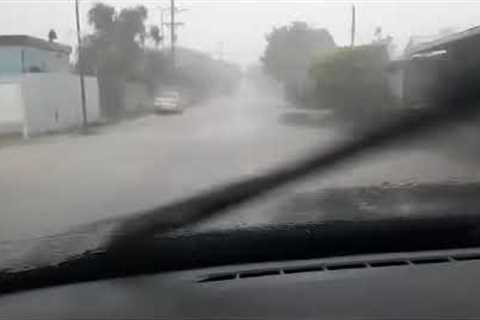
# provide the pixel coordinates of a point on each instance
(203, 76)
(197, 75)
(131, 23)
(115, 52)
(102, 17)
(155, 35)
(52, 35)
(290, 50)
(115, 46)
(352, 81)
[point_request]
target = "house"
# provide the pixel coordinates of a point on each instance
(38, 92)
(25, 54)
(442, 69)
(414, 42)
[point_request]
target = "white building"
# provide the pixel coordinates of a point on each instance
(38, 93)
(24, 54)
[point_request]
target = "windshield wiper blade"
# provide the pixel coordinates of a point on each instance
(214, 202)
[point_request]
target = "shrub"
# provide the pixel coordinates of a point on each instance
(352, 81)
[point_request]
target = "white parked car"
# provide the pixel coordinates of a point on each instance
(168, 102)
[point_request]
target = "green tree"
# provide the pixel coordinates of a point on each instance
(114, 50)
(130, 25)
(155, 70)
(102, 17)
(353, 83)
(289, 53)
(155, 35)
(201, 76)
(52, 35)
(115, 45)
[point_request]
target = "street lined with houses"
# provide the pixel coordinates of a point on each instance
(215, 122)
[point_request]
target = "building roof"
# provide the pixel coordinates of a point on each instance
(27, 41)
(440, 43)
(415, 42)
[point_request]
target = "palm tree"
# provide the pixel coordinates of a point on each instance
(102, 17)
(155, 35)
(52, 35)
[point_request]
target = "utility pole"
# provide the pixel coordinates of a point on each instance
(172, 24)
(162, 26)
(353, 30)
(172, 31)
(80, 67)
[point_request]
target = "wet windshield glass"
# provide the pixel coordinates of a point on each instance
(108, 108)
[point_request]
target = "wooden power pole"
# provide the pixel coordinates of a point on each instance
(173, 24)
(172, 31)
(80, 67)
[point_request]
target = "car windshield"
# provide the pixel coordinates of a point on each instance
(84, 139)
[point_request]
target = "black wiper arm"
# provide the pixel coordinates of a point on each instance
(212, 203)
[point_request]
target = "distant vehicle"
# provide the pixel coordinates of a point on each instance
(168, 102)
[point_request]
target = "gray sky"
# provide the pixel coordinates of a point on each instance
(241, 25)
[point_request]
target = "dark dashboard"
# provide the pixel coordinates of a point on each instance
(399, 267)
(430, 284)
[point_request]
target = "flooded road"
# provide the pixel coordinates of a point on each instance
(59, 182)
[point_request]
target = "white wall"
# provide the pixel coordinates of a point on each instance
(49, 102)
(52, 101)
(47, 61)
(11, 108)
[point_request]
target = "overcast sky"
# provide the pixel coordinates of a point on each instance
(241, 25)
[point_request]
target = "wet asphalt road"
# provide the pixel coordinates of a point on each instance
(54, 183)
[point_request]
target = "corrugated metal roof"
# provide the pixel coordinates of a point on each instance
(27, 41)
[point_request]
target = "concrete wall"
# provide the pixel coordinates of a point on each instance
(137, 97)
(395, 82)
(11, 108)
(47, 61)
(52, 101)
(36, 103)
